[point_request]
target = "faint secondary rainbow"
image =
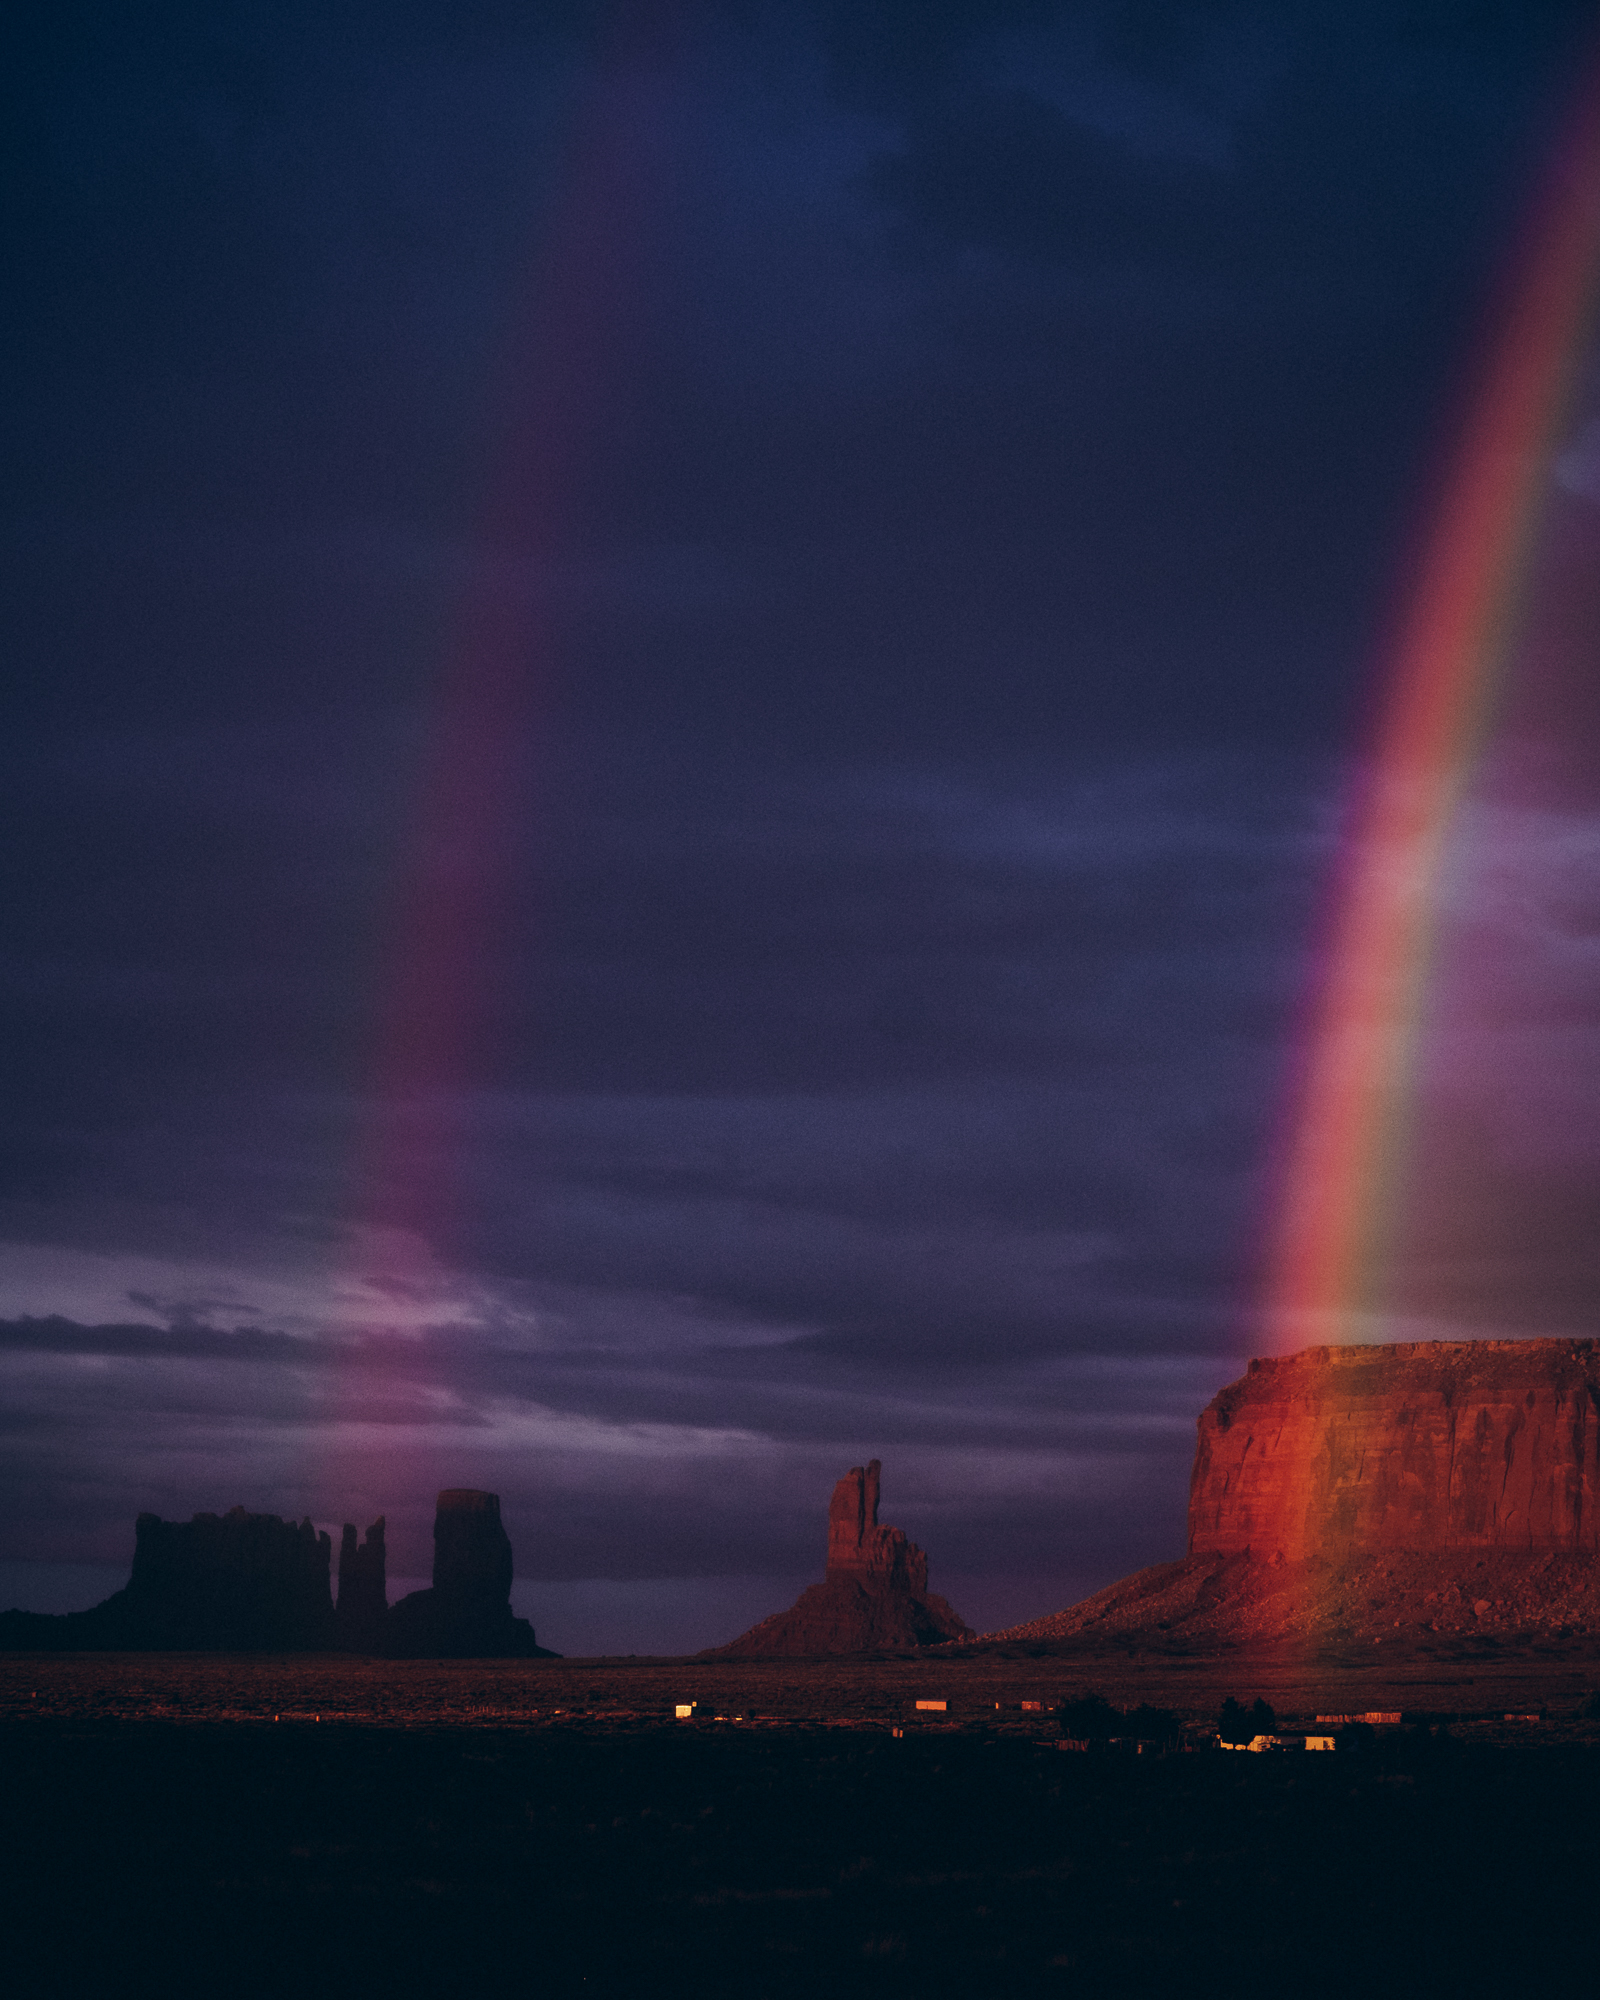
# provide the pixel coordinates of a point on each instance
(1458, 623)
(447, 974)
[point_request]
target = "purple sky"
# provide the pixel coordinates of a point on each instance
(932, 479)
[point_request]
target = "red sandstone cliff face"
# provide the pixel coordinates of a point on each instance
(1490, 1444)
(1426, 1497)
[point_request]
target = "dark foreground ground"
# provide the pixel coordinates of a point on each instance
(482, 1829)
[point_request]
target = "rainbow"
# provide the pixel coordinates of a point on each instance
(1342, 1161)
(444, 977)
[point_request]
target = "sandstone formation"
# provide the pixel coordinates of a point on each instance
(237, 1580)
(246, 1582)
(362, 1609)
(1426, 1494)
(467, 1613)
(874, 1594)
(1446, 1603)
(229, 1582)
(1488, 1444)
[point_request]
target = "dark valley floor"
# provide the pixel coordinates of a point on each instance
(475, 1858)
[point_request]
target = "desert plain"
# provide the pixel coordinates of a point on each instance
(326, 1824)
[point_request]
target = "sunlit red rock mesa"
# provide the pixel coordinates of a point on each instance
(1430, 1494)
(873, 1597)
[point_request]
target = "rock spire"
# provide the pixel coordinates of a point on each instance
(363, 1604)
(874, 1593)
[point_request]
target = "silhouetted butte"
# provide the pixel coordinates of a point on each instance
(874, 1594)
(467, 1613)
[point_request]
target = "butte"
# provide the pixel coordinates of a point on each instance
(1436, 1496)
(873, 1596)
(248, 1582)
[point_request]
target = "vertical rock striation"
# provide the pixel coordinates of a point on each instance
(1490, 1444)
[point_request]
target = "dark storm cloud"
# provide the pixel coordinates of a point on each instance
(791, 1059)
(697, 1383)
(190, 1342)
(969, 445)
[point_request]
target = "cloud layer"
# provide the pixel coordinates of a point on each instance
(898, 509)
